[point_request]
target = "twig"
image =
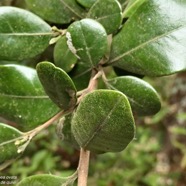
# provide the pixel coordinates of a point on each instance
(35, 131)
(83, 167)
(92, 84)
(27, 137)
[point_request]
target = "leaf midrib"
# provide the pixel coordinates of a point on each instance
(129, 98)
(144, 44)
(73, 11)
(27, 34)
(86, 46)
(23, 97)
(107, 16)
(99, 127)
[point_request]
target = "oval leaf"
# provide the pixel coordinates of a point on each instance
(43, 180)
(63, 57)
(103, 122)
(22, 98)
(87, 39)
(86, 3)
(143, 98)
(22, 34)
(155, 45)
(57, 84)
(109, 15)
(57, 11)
(8, 149)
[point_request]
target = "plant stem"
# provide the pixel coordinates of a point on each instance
(23, 141)
(85, 154)
(35, 131)
(92, 84)
(83, 167)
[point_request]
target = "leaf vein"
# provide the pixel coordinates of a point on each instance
(99, 127)
(87, 48)
(23, 97)
(73, 11)
(144, 44)
(129, 98)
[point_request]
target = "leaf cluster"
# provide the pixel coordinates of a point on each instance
(101, 51)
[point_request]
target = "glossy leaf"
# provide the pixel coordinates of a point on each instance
(86, 3)
(132, 6)
(43, 180)
(103, 122)
(63, 57)
(143, 98)
(22, 34)
(109, 15)
(87, 39)
(56, 11)
(22, 98)
(8, 151)
(155, 45)
(57, 84)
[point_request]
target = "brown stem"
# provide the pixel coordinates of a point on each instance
(35, 131)
(92, 84)
(85, 154)
(83, 167)
(23, 141)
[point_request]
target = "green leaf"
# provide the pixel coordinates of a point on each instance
(64, 131)
(122, 72)
(103, 122)
(132, 6)
(63, 57)
(57, 11)
(81, 75)
(22, 98)
(143, 98)
(57, 84)
(43, 180)
(9, 151)
(86, 3)
(87, 39)
(152, 42)
(22, 34)
(109, 15)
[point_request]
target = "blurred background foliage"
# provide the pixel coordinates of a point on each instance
(157, 156)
